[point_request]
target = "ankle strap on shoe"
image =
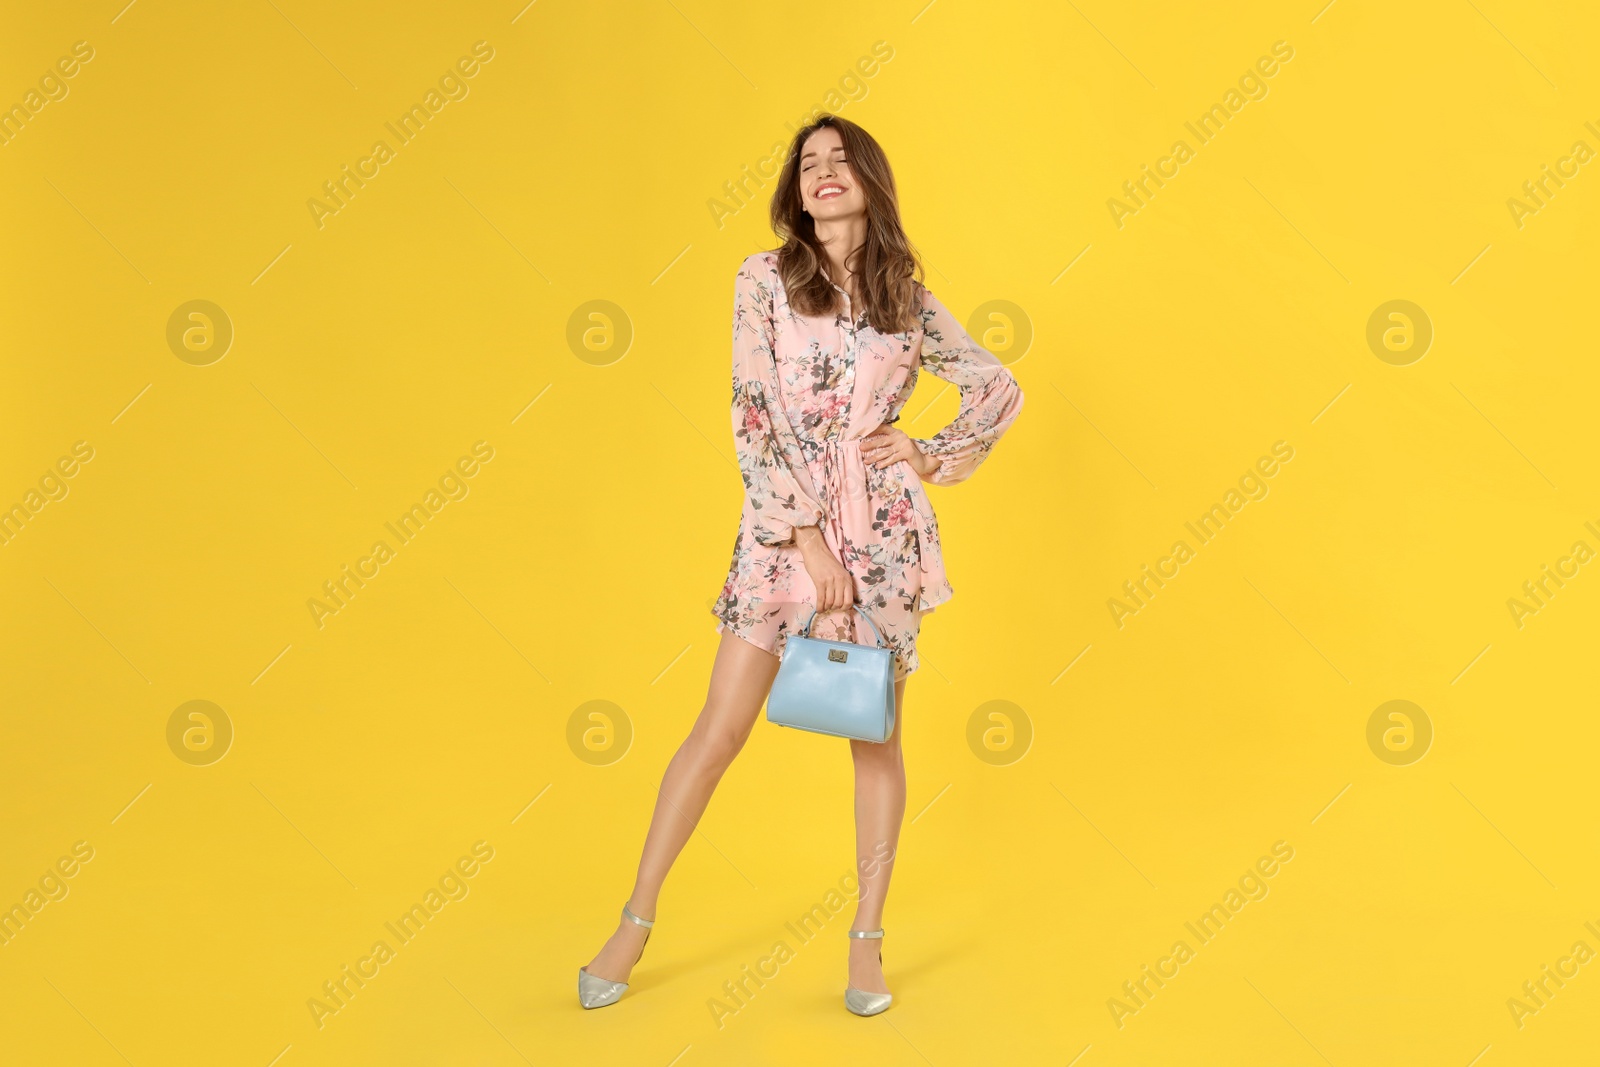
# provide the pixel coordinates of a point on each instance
(646, 923)
(865, 933)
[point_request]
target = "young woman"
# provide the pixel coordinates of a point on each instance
(829, 333)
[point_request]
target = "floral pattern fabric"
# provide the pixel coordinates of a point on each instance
(806, 389)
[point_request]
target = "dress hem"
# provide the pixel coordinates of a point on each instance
(749, 639)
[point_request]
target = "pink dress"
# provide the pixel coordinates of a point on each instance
(805, 391)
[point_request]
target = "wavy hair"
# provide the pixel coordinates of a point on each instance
(886, 264)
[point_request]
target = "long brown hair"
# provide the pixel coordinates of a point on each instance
(886, 265)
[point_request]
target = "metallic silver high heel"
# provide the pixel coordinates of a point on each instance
(860, 1001)
(597, 992)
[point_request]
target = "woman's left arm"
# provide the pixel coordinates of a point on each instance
(991, 398)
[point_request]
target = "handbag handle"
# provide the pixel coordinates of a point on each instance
(805, 630)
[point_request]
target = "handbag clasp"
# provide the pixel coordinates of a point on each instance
(838, 655)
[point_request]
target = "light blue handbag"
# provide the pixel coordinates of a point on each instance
(838, 688)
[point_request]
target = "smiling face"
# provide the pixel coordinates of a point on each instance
(829, 189)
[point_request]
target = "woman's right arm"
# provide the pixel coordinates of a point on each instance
(770, 462)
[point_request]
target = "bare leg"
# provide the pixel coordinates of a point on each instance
(741, 675)
(880, 808)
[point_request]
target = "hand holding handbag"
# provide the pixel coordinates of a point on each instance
(838, 688)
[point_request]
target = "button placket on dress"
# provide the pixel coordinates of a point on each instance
(850, 346)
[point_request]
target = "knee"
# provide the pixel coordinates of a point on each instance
(884, 757)
(716, 746)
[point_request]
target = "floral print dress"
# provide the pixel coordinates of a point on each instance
(805, 391)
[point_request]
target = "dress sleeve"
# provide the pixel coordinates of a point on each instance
(770, 461)
(991, 399)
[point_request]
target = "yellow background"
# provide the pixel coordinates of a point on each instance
(430, 713)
